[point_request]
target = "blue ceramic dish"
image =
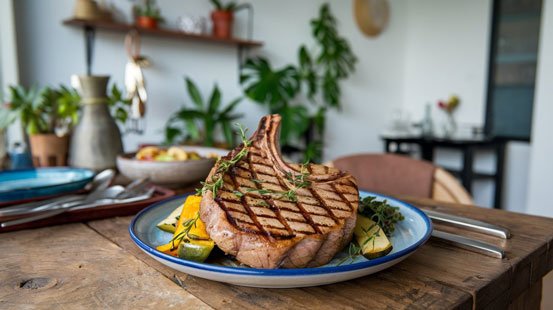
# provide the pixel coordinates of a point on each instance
(409, 235)
(33, 183)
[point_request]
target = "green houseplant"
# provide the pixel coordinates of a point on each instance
(201, 123)
(48, 114)
(222, 17)
(147, 15)
(303, 92)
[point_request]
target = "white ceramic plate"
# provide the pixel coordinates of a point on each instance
(409, 235)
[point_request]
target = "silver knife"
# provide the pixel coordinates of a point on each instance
(469, 224)
(54, 212)
(470, 244)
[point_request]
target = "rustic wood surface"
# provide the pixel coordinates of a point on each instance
(95, 264)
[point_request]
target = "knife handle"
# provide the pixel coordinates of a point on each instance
(470, 244)
(469, 224)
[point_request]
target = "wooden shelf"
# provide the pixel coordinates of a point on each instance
(161, 32)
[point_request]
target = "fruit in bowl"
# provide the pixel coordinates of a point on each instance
(173, 167)
(174, 153)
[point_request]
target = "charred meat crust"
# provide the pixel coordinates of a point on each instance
(252, 220)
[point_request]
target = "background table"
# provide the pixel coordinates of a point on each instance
(467, 146)
(96, 265)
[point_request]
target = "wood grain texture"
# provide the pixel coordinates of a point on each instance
(115, 273)
(72, 267)
(395, 288)
(492, 282)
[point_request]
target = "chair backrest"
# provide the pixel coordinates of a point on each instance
(401, 175)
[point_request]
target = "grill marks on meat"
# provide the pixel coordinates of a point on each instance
(252, 219)
(317, 207)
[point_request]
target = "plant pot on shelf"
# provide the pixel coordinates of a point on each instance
(146, 22)
(49, 150)
(222, 24)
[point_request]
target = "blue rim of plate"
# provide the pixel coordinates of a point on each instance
(282, 272)
(83, 181)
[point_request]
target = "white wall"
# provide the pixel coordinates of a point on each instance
(447, 51)
(50, 53)
(432, 48)
(9, 71)
(540, 183)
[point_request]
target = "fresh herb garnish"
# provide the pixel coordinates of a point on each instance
(262, 203)
(297, 181)
(354, 250)
(224, 165)
(188, 224)
(384, 215)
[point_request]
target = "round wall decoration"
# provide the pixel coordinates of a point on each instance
(372, 16)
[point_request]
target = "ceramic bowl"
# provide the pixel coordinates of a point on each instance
(170, 173)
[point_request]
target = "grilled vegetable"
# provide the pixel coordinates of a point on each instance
(169, 224)
(196, 250)
(371, 238)
(191, 230)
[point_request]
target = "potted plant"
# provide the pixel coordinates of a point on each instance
(315, 78)
(147, 15)
(48, 114)
(202, 123)
(222, 18)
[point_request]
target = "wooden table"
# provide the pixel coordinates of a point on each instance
(96, 265)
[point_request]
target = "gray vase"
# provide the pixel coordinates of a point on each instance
(96, 139)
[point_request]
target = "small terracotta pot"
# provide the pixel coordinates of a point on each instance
(146, 22)
(49, 150)
(222, 24)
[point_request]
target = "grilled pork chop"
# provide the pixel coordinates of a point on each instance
(271, 214)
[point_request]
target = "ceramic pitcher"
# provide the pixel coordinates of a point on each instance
(96, 139)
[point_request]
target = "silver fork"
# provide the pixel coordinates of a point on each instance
(101, 202)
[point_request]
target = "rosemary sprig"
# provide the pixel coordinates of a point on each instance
(224, 165)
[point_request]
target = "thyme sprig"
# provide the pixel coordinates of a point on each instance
(354, 250)
(188, 225)
(298, 180)
(383, 214)
(224, 165)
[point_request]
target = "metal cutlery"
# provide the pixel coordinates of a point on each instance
(469, 224)
(470, 244)
(100, 182)
(68, 201)
(472, 225)
(88, 205)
